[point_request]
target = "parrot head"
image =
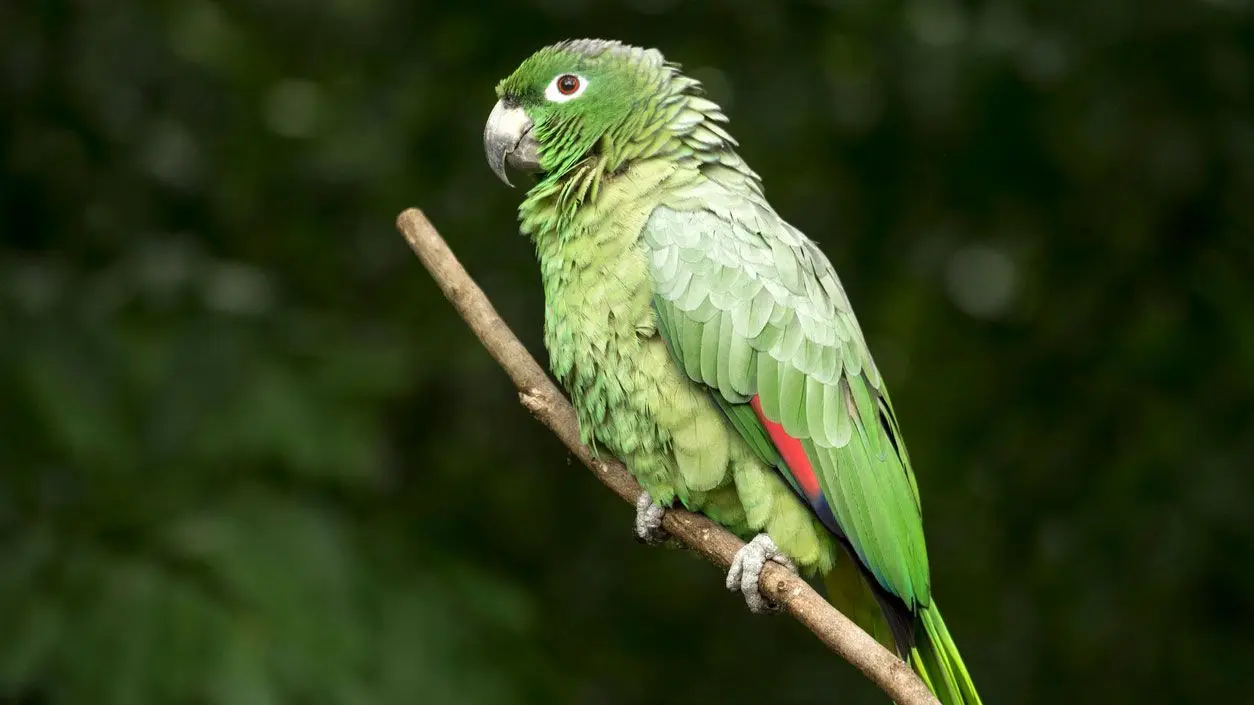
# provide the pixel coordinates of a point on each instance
(568, 100)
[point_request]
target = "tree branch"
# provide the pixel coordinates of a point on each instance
(543, 399)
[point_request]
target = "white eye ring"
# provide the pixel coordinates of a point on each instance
(554, 94)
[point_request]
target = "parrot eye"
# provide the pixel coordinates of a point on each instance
(564, 87)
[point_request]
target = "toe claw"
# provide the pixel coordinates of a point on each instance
(649, 520)
(733, 573)
(746, 571)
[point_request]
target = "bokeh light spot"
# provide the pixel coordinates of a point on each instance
(981, 281)
(293, 108)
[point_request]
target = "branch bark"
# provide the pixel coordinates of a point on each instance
(543, 399)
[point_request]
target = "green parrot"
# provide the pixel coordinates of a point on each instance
(709, 344)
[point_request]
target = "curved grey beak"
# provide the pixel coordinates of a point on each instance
(507, 138)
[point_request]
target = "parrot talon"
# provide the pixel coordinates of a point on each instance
(746, 571)
(649, 520)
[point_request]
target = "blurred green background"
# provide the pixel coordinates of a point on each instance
(249, 455)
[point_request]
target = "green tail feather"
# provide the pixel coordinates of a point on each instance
(936, 660)
(934, 656)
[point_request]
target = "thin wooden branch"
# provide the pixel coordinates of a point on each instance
(543, 399)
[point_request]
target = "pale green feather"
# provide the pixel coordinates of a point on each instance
(814, 375)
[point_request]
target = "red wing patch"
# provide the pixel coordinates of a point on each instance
(794, 455)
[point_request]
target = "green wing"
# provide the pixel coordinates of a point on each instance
(750, 307)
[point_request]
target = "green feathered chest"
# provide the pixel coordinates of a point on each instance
(598, 296)
(597, 308)
(598, 315)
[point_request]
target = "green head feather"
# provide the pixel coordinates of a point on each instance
(613, 84)
(592, 109)
(630, 103)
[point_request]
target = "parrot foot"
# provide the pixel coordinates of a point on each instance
(746, 571)
(649, 520)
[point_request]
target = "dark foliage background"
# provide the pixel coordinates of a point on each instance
(249, 456)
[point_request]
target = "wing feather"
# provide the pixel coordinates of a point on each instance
(751, 308)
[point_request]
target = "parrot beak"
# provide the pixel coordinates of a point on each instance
(507, 139)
